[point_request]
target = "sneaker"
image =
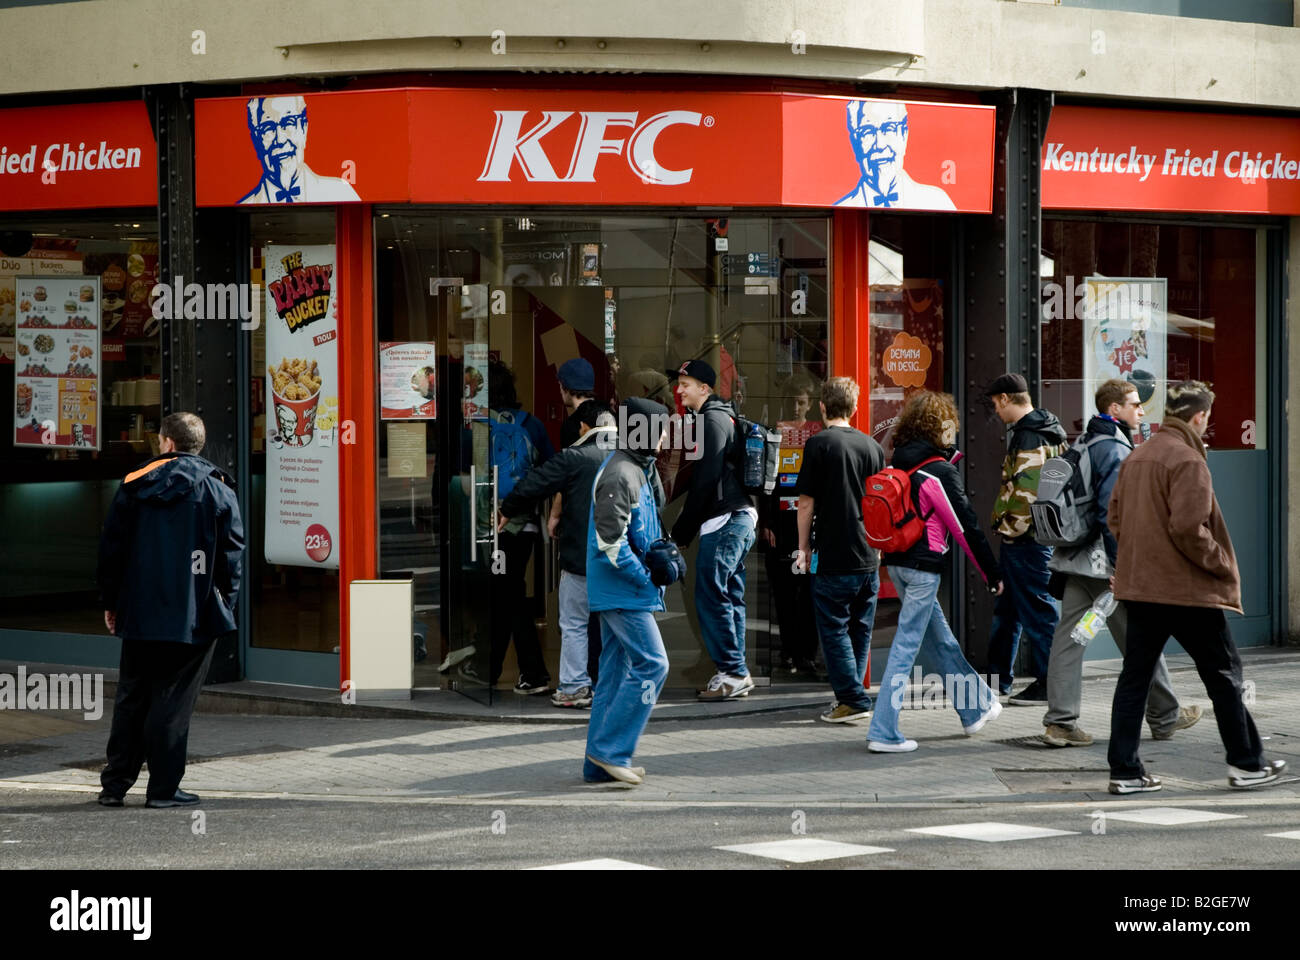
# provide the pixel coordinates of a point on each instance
(992, 713)
(1186, 717)
(907, 746)
(1058, 736)
(1248, 779)
(1033, 695)
(532, 689)
(1147, 784)
(843, 713)
(579, 698)
(107, 799)
(625, 774)
(723, 687)
(455, 657)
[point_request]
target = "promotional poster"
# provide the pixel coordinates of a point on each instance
(302, 389)
(57, 368)
(407, 381)
(1124, 336)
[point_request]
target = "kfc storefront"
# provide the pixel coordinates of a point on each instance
(82, 360)
(427, 254)
(1163, 259)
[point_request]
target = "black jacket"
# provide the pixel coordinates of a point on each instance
(940, 497)
(171, 554)
(715, 488)
(570, 473)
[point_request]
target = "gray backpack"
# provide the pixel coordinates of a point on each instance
(1065, 513)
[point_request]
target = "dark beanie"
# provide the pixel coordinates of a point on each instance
(635, 425)
(701, 371)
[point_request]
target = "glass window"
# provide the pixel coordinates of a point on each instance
(292, 607)
(53, 501)
(636, 296)
(1156, 303)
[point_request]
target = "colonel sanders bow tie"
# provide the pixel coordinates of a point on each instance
(885, 199)
(286, 196)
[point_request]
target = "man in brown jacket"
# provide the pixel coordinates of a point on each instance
(1177, 574)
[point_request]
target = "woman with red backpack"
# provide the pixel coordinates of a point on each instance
(923, 450)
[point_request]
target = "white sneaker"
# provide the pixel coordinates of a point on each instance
(723, 687)
(907, 746)
(1246, 779)
(994, 710)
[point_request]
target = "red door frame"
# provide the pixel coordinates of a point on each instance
(850, 336)
(358, 458)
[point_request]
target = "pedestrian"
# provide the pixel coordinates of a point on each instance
(778, 539)
(1035, 436)
(722, 514)
(577, 385)
(833, 546)
(170, 560)
(569, 476)
(924, 442)
(1081, 574)
(518, 443)
(624, 523)
(1177, 572)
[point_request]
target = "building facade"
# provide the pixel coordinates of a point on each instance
(325, 236)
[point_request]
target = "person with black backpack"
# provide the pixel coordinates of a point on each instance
(937, 508)
(722, 514)
(1081, 573)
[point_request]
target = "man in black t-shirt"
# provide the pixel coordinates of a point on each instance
(833, 546)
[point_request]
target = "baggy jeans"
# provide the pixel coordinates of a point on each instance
(846, 609)
(633, 667)
(720, 592)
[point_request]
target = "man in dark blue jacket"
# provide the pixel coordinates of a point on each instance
(570, 474)
(1082, 574)
(169, 570)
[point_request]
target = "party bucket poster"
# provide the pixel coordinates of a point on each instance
(1125, 324)
(302, 390)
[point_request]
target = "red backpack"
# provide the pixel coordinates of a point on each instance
(892, 523)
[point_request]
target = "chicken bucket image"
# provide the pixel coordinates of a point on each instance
(295, 390)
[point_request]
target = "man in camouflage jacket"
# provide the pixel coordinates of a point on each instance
(1035, 437)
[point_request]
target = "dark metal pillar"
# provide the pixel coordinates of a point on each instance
(1001, 315)
(200, 356)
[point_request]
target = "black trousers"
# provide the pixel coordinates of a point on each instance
(157, 687)
(1203, 633)
(792, 594)
(512, 611)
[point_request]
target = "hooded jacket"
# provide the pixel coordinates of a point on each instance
(171, 554)
(1035, 438)
(938, 493)
(1097, 557)
(715, 489)
(1174, 546)
(570, 473)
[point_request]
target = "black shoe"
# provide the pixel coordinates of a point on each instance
(107, 799)
(532, 689)
(1034, 695)
(179, 799)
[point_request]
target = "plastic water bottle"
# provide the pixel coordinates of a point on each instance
(1090, 623)
(754, 458)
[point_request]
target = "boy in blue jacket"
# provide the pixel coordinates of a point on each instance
(624, 522)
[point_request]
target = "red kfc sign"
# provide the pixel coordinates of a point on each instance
(594, 147)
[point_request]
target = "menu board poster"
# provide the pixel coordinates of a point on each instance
(302, 390)
(1125, 326)
(407, 381)
(57, 368)
(127, 306)
(475, 394)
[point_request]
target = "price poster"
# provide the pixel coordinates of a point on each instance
(57, 362)
(407, 384)
(302, 389)
(475, 392)
(1125, 325)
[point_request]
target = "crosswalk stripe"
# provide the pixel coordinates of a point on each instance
(601, 863)
(1170, 816)
(990, 832)
(804, 849)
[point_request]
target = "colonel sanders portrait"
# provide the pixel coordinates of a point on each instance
(278, 126)
(878, 134)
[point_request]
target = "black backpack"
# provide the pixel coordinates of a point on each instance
(1065, 513)
(771, 454)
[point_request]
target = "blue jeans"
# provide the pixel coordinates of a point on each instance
(633, 667)
(573, 632)
(1025, 603)
(720, 592)
(845, 606)
(921, 621)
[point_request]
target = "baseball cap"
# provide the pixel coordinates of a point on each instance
(700, 370)
(577, 374)
(1007, 383)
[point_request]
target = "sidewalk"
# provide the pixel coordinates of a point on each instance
(782, 757)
